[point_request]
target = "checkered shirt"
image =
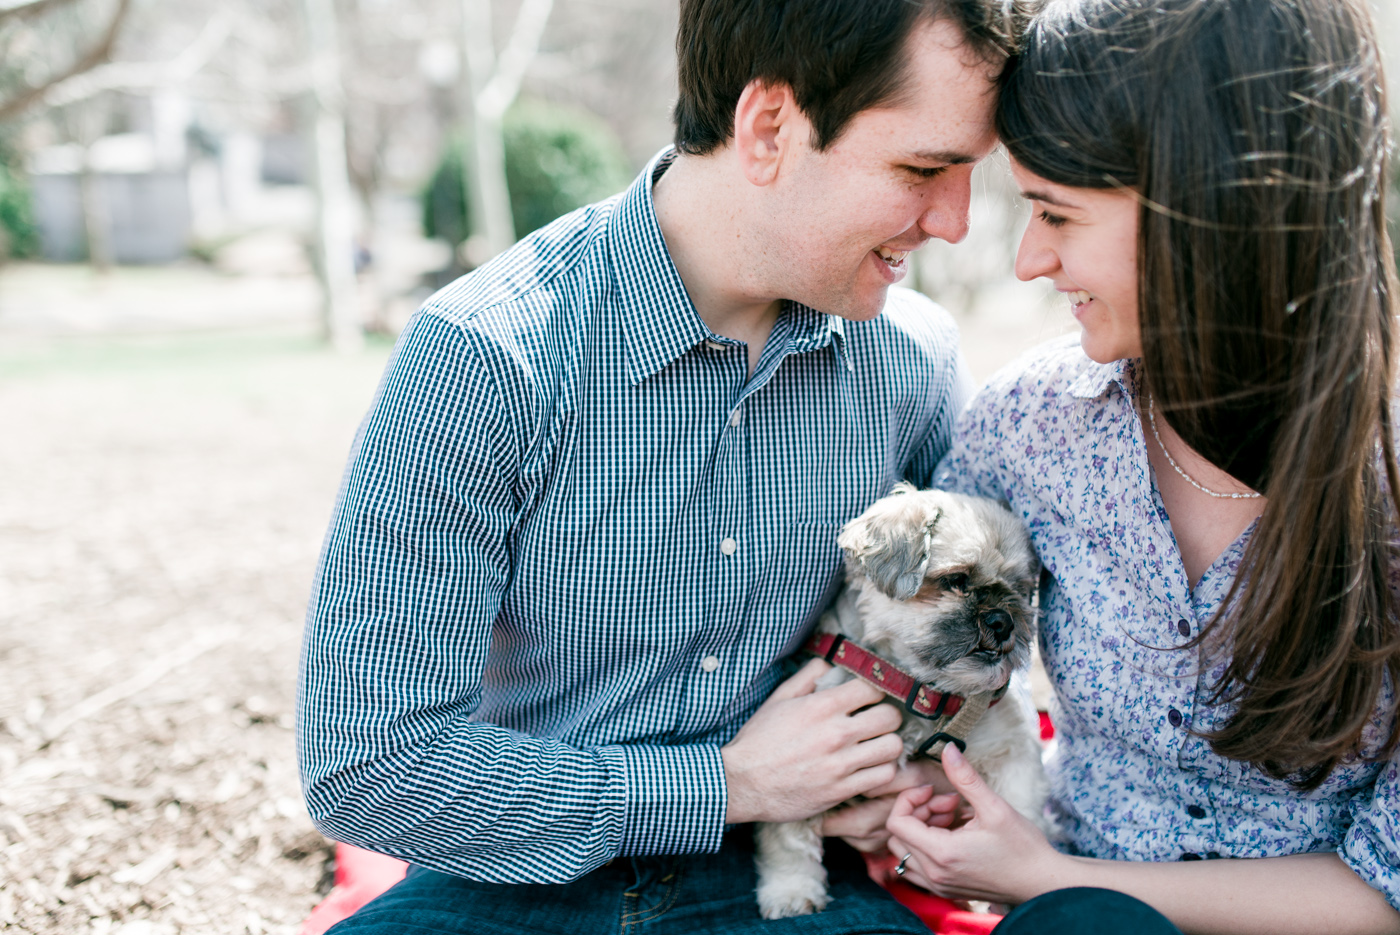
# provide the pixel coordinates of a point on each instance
(573, 542)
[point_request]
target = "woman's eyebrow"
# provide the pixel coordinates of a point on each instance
(1047, 199)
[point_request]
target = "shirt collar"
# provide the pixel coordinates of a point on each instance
(1097, 378)
(660, 322)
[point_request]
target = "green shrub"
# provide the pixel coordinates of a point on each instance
(557, 159)
(18, 235)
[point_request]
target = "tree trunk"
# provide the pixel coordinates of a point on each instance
(96, 218)
(483, 160)
(335, 245)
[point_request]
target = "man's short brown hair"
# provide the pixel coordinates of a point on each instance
(839, 56)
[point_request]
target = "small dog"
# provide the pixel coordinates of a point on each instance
(939, 585)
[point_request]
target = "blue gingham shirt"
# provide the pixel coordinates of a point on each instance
(573, 541)
(1058, 437)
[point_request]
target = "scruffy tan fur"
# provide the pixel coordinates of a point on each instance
(931, 578)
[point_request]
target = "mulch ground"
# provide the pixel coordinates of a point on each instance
(161, 510)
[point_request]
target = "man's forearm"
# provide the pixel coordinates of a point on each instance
(493, 805)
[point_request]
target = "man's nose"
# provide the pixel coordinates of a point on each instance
(947, 217)
(1034, 257)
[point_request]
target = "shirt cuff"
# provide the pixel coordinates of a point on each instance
(676, 798)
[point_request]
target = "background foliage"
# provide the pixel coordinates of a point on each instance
(558, 158)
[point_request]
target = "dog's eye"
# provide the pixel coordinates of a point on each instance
(956, 582)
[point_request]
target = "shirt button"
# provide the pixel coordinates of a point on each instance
(1183, 628)
(1174, 716)
(1195, 811)
(709, 663)
(728, 546)
(736, 417)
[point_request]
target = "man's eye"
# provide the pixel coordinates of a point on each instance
(1054, 220)
(924, 172)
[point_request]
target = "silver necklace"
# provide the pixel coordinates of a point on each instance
(1152, 420)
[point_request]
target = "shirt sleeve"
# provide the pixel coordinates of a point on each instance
(411, 579)
(974, 463)
(956, 388)
(1372, 844)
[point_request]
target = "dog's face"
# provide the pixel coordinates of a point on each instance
(944, 586)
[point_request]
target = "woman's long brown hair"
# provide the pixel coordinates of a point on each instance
(1254, 134)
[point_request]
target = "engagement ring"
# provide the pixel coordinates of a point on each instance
(899, 871)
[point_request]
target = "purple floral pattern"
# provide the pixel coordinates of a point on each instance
(1058, 437)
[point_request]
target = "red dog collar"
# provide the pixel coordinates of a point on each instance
(918, 698)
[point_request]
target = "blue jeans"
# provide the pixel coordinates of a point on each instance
(1085, 910)
(712, 893)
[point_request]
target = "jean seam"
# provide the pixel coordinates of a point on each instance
(671, 894)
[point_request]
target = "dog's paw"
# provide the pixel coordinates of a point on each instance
(792, 897)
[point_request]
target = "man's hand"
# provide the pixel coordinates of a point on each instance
(862, 824)
(804, 751)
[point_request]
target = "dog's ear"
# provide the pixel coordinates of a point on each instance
(891, 542)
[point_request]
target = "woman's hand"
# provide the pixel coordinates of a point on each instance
(997, 855)
(861, 824)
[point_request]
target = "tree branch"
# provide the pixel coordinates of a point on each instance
(90, 60)
(27, 7)
(515, 58)
(133, 76)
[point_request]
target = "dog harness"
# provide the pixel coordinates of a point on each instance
(953, 716)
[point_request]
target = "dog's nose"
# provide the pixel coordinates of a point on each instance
(999, 622)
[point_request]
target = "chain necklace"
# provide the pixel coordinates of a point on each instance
(1152, 420)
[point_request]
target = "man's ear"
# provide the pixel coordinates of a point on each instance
(766, 123)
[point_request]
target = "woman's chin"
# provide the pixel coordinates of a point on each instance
(1102, 350)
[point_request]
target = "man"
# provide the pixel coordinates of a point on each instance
(596, 500)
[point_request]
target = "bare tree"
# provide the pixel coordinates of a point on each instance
(489, 85)
(95, 54)
(334, 215)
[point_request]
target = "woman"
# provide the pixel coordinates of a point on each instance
(1209, 481)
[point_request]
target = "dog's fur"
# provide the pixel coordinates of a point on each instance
(924, 572)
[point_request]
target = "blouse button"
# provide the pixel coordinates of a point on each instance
(1174, 716)
(1195, 811)
(1183, 628)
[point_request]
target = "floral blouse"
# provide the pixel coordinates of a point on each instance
(1057, 436)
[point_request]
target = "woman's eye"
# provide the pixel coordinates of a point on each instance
(1054, 220)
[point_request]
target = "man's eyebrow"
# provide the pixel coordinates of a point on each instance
(1047, 199)
(948, 158)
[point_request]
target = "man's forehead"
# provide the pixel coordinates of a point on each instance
(936, 51)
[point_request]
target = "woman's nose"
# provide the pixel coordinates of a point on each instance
(1035, 257)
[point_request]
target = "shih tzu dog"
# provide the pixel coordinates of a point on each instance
(936, 611)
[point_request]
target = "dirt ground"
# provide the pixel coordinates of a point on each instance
(161, 511)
